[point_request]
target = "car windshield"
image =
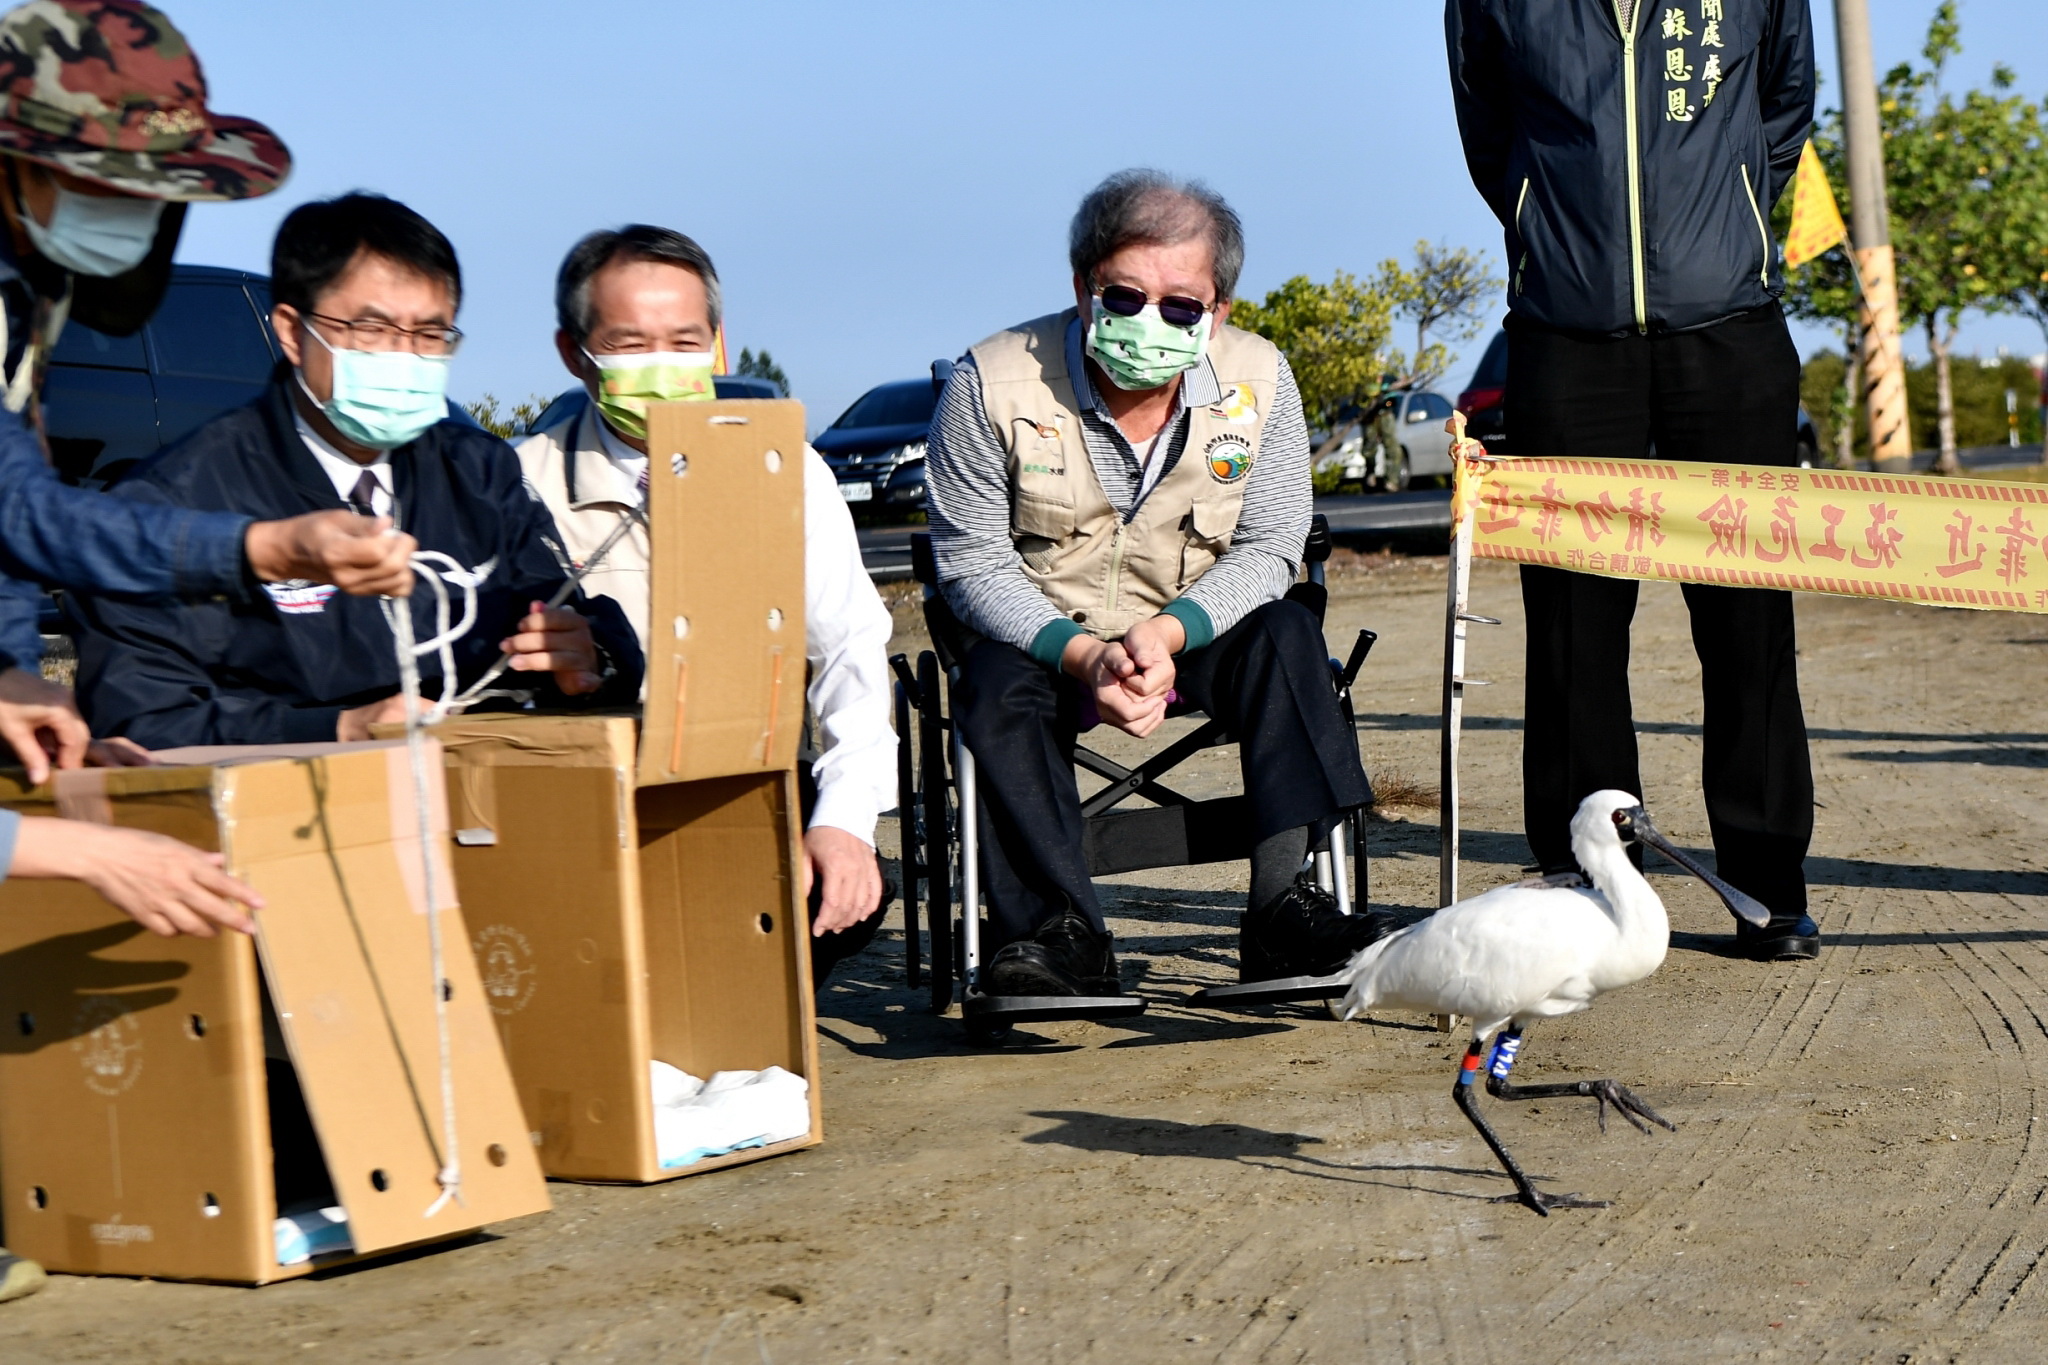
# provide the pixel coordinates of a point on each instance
(892, 405)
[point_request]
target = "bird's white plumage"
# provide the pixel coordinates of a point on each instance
(1525, 952)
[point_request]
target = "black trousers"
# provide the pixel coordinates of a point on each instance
(1267, 678)
(1728, 393)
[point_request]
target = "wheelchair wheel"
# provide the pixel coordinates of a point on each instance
(908, 841)
(937, 849)
(983, 1033)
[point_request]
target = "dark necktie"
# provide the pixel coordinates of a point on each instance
(362, 499)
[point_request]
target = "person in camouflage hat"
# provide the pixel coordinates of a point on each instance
(105, 136)
(110, 92)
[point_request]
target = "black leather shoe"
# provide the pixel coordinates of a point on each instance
(1303, 933)
(1065, 956)
(1787, 938)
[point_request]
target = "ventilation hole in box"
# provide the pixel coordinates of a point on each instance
(773, 459)
(38, 1197)
(496, 1154)
(379, 1181)
(209, 1207)
(767, 924)
(27, 1023)
(195, 1026)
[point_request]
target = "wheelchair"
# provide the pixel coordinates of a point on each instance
(937, 785)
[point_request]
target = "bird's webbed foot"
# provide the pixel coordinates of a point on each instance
(1627, 1104)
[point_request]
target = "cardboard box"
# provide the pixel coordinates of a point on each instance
(616, 924)
(633, 897)
(142, 1131)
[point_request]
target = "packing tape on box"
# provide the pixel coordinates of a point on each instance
(82, 795)
(405, 830)
(1945, 542)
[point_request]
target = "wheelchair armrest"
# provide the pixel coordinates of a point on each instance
(1316, 548)
(924, 567)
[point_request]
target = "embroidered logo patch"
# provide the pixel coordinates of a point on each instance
(1237, 406)
(1229, 459)
(297, 597)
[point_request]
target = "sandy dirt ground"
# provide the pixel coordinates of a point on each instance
(1856, 1174)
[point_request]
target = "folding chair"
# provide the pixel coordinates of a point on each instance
(938, 786)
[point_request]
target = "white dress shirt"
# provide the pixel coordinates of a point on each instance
(344, 471)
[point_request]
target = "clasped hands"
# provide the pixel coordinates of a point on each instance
(1130, 678)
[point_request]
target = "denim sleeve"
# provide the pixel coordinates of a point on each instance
(21, 644)
(54, 533)
(10, 830)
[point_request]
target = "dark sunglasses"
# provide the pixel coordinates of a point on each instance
(1176, 309)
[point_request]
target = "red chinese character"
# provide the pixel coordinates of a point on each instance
(1498, 508)
(1767, 480)
(1789, 482)
(1575, 559)
(1882, 536)
(1644, 520)
(1728, 519)
(1550, 505)
(1596, 518)
(1743, 479)
(1597, 562)
(1828, 549)
(1784, 533)
(1720, 479)
(1961, 533)
(1642, 563)
(2012, 565)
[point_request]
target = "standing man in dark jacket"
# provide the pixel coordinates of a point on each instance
(1632, 150)
(356, 417)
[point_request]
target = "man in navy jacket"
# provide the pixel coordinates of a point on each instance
(366, 294)
(1632, 150)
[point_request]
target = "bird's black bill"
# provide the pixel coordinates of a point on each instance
(1741, 905)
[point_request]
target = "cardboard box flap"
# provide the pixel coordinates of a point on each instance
(725, 651)
(344, 944)
(477, 746)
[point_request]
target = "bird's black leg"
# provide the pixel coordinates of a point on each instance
(1509, 1041)
(1525, 1190)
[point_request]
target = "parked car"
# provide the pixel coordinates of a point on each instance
(1425, 446)
(1481, 400)
(110, 401)
(876, 448)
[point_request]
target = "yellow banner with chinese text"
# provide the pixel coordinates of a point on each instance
(1949, 542)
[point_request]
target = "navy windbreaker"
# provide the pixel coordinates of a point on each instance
(281, 668)
(1634, 173)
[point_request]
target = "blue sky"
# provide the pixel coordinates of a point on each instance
(882, 184)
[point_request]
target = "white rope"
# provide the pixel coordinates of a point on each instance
(437, 571)
(399, 615)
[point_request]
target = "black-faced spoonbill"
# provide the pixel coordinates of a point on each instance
(1538, 950)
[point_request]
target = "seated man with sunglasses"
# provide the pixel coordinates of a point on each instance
(1119, 497)
(356, 416)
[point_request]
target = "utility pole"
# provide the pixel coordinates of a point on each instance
(1870, 239)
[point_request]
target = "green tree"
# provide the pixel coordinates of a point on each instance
(1333, 336)
(1958, 174)
(1446, 293)
(762, 366)
(507, 425)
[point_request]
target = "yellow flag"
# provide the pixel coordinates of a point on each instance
(1816, 222)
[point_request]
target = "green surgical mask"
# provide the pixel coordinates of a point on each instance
(626, 384)
(1145, 351)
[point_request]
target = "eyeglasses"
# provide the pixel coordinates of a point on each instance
(1126, 302)
(374, 334)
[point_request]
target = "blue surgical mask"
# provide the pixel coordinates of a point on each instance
(383, 399)
(96, 234)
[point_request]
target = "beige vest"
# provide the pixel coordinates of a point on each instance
(1103, 574)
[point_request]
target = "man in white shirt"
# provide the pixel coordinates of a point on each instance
(638, 311)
